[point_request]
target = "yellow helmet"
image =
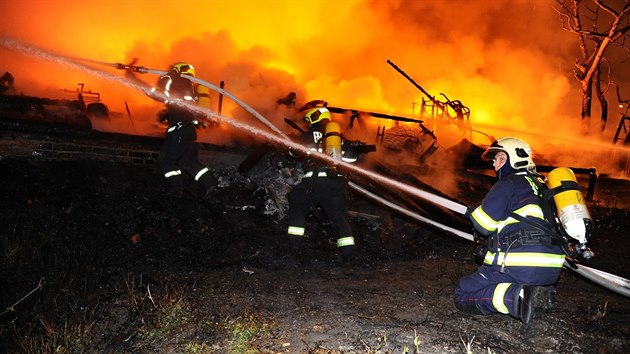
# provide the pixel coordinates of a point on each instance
(317, 114)
(184, 68)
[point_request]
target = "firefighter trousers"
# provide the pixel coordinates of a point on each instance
(178, 155)
(330, 195)
(492, 289)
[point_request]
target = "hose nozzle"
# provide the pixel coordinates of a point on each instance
(587, 254)
(138, 69)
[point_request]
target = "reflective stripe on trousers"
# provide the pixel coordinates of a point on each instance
(296, 231)
(345, 241)
(173, 173)
(498, 296)
(201, 173)
(319, 174)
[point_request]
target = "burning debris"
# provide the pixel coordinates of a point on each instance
(435, 203)
(261, 190)
(441, 112)
(70, 112)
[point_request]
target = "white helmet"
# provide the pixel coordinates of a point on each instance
(519, 152)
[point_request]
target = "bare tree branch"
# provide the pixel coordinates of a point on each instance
(597, 25)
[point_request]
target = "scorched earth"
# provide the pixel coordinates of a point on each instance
(93, 259)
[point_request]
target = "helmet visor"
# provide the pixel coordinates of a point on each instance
(317, 114)
(491, 151)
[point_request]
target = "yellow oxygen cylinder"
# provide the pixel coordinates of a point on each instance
(203, 93)
(332, 142)
(572, 211)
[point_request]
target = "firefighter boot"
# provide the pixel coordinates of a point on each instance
(550, 300)
(209, 182)
(471, 308)
(175, 187)
(347, 255)
(531, 304)
(296, 243)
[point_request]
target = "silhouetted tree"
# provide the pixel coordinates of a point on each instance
(597, 25)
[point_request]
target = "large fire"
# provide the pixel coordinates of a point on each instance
(508, 61)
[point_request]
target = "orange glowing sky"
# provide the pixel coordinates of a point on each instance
(508, 60)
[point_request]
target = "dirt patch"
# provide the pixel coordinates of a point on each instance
(125, 270)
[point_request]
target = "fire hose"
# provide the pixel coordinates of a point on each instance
(144, 70)
(612, 282)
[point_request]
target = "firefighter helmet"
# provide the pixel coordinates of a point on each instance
(317, 114)
(184, 68)
(518, 151)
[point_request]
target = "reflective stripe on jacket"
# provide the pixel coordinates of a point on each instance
(524, 259)
(515, 193)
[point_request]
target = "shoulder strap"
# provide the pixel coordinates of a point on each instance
(543, 228)
(546, 196)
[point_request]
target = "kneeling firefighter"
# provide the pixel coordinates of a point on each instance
(178, 154)
(525, 252)
(322, 186)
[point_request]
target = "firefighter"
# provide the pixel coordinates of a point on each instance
(322, 186)
(178, 154)
(524, 258)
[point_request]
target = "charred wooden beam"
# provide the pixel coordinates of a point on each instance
(374, 114)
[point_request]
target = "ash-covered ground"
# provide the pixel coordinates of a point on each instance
(121, 269)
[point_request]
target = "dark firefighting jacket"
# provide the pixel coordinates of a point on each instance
(177, 89)
(515, 243)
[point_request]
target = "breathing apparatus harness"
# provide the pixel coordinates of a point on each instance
(548, 232)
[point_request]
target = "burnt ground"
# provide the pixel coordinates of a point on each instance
(124, 270)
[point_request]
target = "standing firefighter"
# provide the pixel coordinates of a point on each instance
(524, 258)
(322, 186)
(178, 154)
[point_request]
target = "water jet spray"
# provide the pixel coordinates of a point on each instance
(581, 141)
